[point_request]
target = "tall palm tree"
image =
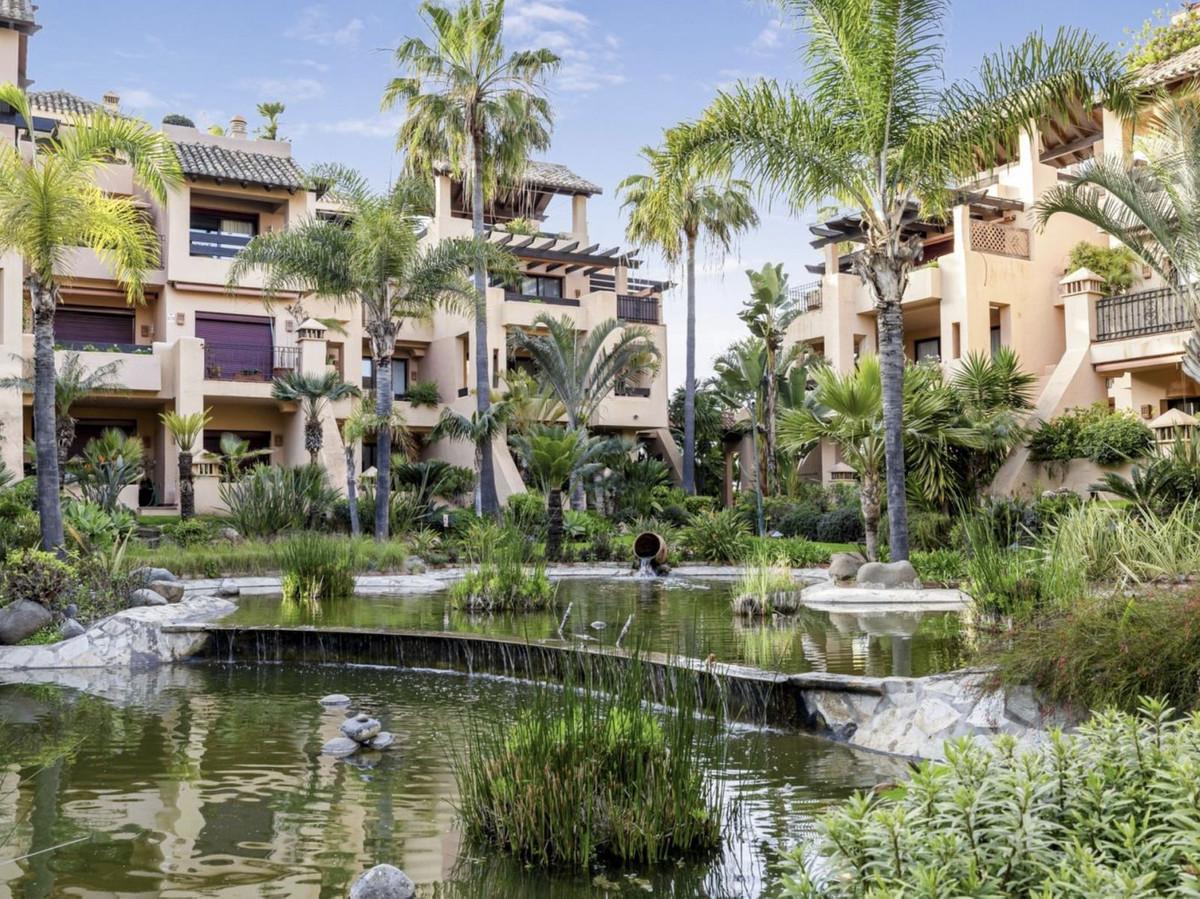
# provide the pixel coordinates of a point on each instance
(481, 428)
(674, 212)
(185, 430)
(314, 392)
(270, 113)
(768, 314)
(1150, 205)
(362, 422)
(471, 106)
(370, 256)
(50, 203)
(879, 129)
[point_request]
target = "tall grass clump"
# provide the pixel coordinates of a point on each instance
(504, 577)
(315, 567)
(766, 587)
(1009, 578)
(1111, 545)
(589, 773)
(270, 500)
(1111, 811)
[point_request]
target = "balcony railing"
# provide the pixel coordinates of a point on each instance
(1145, 312)
(88, 346)
(216, 245)
(515, 297)
(807, 296)
(1000, 240)
(643, 310)
(626, 390)
(247, 362)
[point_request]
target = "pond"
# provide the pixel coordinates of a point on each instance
(207, 780)
(687, 617)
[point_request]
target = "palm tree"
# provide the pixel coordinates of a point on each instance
(1149, 206)
(372, 256)
(185, 430)
(314, 392)
(236, 454)
(768, 314)
(674, 214)
(554, 456)
(482, 427)
(270, 113)
(471, 106)
(880, 129)
(362, 422)
(50, 202)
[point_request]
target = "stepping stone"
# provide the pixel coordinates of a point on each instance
(335, 699)
(340, 747)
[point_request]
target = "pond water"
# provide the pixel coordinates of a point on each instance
(687, 617)
(207, 780)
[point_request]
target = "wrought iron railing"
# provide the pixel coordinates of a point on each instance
(1145, 312)
(216, 245)
(807, 296)
(1000, 240)
(643, 310)
(247, 362)
(516, 297)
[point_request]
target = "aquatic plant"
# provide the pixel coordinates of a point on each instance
(766, 587)
(504, 578)
(314, 567)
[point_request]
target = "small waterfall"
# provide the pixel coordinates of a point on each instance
(646, 570)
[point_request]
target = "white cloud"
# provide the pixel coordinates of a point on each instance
(589, 62)
(315, 65)
(285, 89)
(139, 98)
(377, 126)
(769, 39)
(315, 24)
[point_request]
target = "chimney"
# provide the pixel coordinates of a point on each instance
(112, 101)
(237, 126)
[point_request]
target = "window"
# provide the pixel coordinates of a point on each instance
(929, 348)
(542, 286)
(995, 338)
(221, 235)
(399, 376)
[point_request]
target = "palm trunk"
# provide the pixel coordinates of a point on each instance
(771, 391)
(868, 496)
(352, 492)
(477, 493)
(554, 530)
(66, 437)
(314, 439)
(43, 300)
(689, 384)
(383, 446)
(187, 488)
(489, 501)
(888, 278)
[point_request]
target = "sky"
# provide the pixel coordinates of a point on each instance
(630, 69)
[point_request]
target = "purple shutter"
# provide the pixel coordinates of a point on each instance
(236, 345)
(98, 328)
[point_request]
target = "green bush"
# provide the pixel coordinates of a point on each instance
(929, 530)
(1110, 811)
(19, 524)
(424, 393)
(270, 500)
(316, 566)
(92, 528)
(694, 505)
(841, 525)
(38, 576)
(1114, 265)
(1103, 435)
(189, 532)
(1156, 42)
(939, 566)
(716, 537)
(503, 580)
(527, 513)
(799, 552)
(802, 520)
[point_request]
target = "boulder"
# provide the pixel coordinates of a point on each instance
(382, 740)
(340, 747)
(171, 591)
(414, 565)
(335, 699)
(361, 728)
(145, 576)
(145, 597)
(228, 587)
(230, 534)
(22, 619)
(70, 628)
(383, 882)
(888, 576)
(844, 566)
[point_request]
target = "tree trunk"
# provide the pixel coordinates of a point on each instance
(477, 493)
(43, 300)
(689, 384)
(314, 439)
(868, 496)
(187, 488)
(489, 501)
(66, 437)
(383, 446)
(352, 492)
(554, 530)
(772, 389)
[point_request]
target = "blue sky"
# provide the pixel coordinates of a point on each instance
(631, 68)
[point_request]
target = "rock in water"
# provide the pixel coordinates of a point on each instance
(383, 882)
(382, 740)
(361, 728)
(228, 587)
(844, 566)
(340, 747)
(889, 576)
(70, 628)
(145, 597)
(335, 699)
(22, 619)
(171, 591)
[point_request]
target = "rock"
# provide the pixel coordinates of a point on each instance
(171, 591)
(71, 611)
(22, 619)
(228, 587)
(414, 565)
(597, 625)
(70, 628)
(888, 576)
(144, 597)
(383, 882)
(335, 699)
(361, 728)
(340, 747)
(382, 740)
(230, 534)
(844, 566)
(146, 576)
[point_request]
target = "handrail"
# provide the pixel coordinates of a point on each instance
(247, 362)
(1156, 311)
(643, 310)
(809, 296)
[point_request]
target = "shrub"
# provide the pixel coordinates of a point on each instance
(501, 580)
(1114, 265)
(316, 567)
(19, 524)
(1156, 42)
(1110, 811)
(174, 118)
(803, 520)
(270, 500)
(527, 513)
(766, 587)
(189, 531)
(716, 537)
(585, 525)
(929, 530)
(38, 576)
(841, 525)
(1103, 435)
(424, 393)
(109, 463)
(94, 529)
(799, 552)
(940, 566)
(694, 505)
(590, 773)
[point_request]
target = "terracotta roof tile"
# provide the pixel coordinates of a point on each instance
(213, 161)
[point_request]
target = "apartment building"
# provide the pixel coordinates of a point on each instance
(194, 344)
(991, 278)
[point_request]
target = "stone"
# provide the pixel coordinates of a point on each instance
(171, 591)
(361, 728)
(228, 587)
(145, 576)
(335, 699)
(22, 619)
(340, 747)
(597, 625)
(383, 882)
(70, 628)
(144, 597)
(230, 534)
(1022, 706)
(71, 611)
(888, 576)
(382, 740)
(415, 565)
(844, 566)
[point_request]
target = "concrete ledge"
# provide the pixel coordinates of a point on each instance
(844, 599)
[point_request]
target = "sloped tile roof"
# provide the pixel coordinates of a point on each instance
(19, 11)
(213, 161)
(1177, 68)
(60, 102)
(548, 176)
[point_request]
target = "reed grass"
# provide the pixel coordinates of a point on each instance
(255, 557)
(313, 567)
(504, 578)
(766, 587)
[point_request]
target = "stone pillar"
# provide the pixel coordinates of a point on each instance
(185, 369)
(1079, 292)
(310, 360)
(579, 222)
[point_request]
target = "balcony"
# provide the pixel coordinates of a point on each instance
(515, 297)
(625, 390)
(642, 310)
(247, 362)
(808, 297)
(999, 240)
(1157, 311)
(215, 245)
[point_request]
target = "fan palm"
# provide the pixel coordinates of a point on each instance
(185, 430)
(236, 455)
(880, 129)
(471, 106)
(1149, 206)
(270, 113)
(371, 255)
(674, 212)
(314, 392)
(50, 203)
(481, 428)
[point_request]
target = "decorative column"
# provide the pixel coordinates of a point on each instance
(310, 360)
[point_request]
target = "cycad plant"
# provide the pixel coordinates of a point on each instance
(185, 430)
(481, 111)
(314, 392)
(879, 128)
(481, 428)
(236, 456)
(50, 203)
(109, 463)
